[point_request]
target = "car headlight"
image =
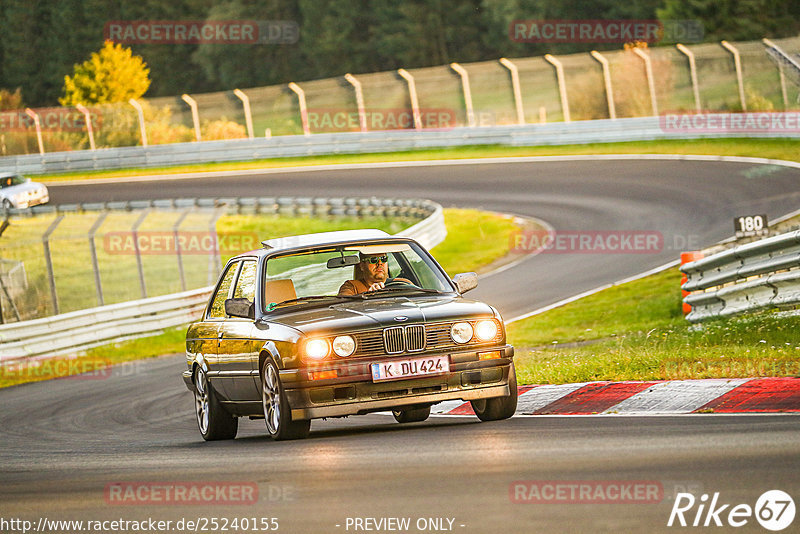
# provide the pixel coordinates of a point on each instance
(344, 345)
(316, 349)
(461, 332)
(485, 330)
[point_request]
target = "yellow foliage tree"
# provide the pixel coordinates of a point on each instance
(109, 76)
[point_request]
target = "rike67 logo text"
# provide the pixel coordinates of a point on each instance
(774, 510)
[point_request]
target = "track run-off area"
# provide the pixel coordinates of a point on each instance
(68, 446)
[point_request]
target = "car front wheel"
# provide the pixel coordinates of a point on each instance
(277, 414)
(498, 407)
(212, 419)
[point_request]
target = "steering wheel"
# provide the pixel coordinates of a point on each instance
(398, 282)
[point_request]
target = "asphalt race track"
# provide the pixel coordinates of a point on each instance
(66, 444)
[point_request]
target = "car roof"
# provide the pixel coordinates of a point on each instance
(323, 238)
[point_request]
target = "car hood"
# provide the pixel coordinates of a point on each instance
(373, 312)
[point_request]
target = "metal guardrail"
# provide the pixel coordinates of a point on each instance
(759, 275)
(75, 331)
(578, 132)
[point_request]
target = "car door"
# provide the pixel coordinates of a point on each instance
(207, 332)
(237, 350)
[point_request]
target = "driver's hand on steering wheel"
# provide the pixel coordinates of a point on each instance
(376, 286)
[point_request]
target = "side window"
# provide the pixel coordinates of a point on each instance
(246, 284)
(218, 304)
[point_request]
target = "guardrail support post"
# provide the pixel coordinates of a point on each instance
(51, 278)
(38, 124)
(89, 129)
(562, 85)
(362, 115)
(140, 112)
(139, 266)
(467, 93)
(692, 74)
(176, 234)
(412, 94)
(648, 68)
(780, 73)
(612, 110)
(737, 64)
(516, 89)
(248, 117)
(195, 114)
(301, 100)
(93, 249)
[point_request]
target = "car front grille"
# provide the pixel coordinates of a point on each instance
(410, 338)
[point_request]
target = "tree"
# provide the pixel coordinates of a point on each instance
(109, 76)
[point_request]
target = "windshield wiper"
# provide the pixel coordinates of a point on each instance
(312, 297)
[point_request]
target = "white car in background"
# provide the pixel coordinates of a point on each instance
(19, 192)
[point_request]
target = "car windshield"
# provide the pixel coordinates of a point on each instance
(8, 181)
(319, 274)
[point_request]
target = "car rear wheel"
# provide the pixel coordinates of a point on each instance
(498, 407)
(277, 413)
(213, 420)
(412, 414)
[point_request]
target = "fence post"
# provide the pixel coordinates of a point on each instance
(248, 116)
(175, 233)
(301, 99)
(195, 114)
(362, 115)
(214, 266)
(467, 93)
(562, 85)
(515, 88)
(49, 261)
(692, 74)
(412, 94)
(95, 266)
(139, 266)
(737, 64)
(612, 110)
(88, 118)
(38, 124)
(140, 112)
(780, 73)
(648, 68)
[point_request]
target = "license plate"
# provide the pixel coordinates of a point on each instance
(394, 369)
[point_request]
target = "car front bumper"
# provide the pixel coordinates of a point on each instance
(469, 379)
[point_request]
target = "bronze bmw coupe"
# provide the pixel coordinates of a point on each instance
(338, 324)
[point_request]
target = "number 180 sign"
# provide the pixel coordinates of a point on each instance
(750, 225)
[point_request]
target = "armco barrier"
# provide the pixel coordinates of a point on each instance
(758, 275)
(76, 331)
(579, 132)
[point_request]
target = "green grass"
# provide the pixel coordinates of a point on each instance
(636, 331)
(455, 254)
(787, 149)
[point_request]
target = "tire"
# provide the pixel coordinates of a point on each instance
(277, 414)
(7, 204)
(213, 420)
(499, 407)
(412, 414)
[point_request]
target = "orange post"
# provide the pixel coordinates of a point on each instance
(687, 257)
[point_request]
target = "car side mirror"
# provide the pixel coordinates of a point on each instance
(240, 307)
(465, 281)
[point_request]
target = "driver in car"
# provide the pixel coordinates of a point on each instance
(370, 274)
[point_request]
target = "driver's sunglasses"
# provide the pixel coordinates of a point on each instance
(375, 259)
